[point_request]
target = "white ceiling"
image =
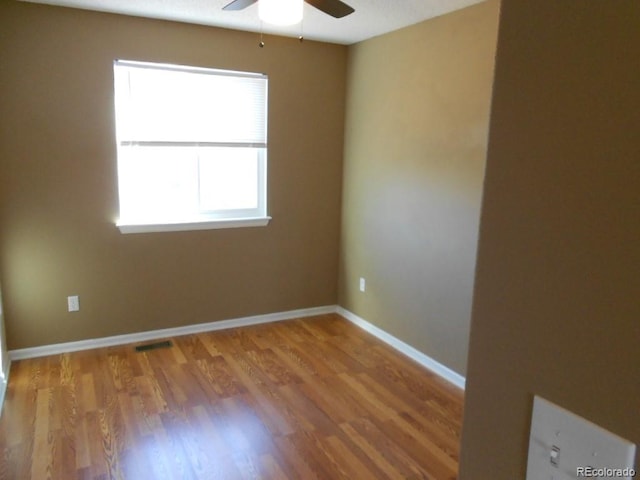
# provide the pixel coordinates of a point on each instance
(371, 18)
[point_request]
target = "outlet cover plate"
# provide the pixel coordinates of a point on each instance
(73, 303)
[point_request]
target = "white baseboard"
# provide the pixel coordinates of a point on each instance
(3, 390)
(68, 347)
(423, 359)
(3, 386)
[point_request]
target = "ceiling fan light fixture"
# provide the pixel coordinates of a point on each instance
(280, 12)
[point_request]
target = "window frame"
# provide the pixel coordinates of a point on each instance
(195, 219)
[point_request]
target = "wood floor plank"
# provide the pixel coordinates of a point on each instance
(334, 402)
(379, 458)
(277, 371)
(311, 398)
(448, 438)
(302, 362)
(271, 469)
(346, 460)
(374, 406)
(275, 418)
(42, 452)
(422, 451)
(308, 417)
(217, 378)
(384, 449)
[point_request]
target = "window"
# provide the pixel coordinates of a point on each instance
(192, 147)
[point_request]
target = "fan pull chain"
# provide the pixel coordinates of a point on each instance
(301, 37)
(261, 44)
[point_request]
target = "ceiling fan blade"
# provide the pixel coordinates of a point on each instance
(239, 4)
(335, 8)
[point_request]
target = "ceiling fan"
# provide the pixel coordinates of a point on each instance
(335, 8)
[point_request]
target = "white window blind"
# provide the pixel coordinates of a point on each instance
(192, 144)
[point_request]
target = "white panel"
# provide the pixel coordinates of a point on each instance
(564, 446)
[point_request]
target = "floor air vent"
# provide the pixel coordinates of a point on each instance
(153, 346)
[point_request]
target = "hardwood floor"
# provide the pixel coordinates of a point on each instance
(300, 399)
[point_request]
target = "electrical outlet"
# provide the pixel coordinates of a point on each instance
(363, 284)
(73, 303)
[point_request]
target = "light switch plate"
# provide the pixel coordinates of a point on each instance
(565, 446)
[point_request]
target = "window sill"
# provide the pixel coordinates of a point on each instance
(186, 226)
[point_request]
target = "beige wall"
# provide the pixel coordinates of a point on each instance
(415, 146)
(58, 184)
(557, 299)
